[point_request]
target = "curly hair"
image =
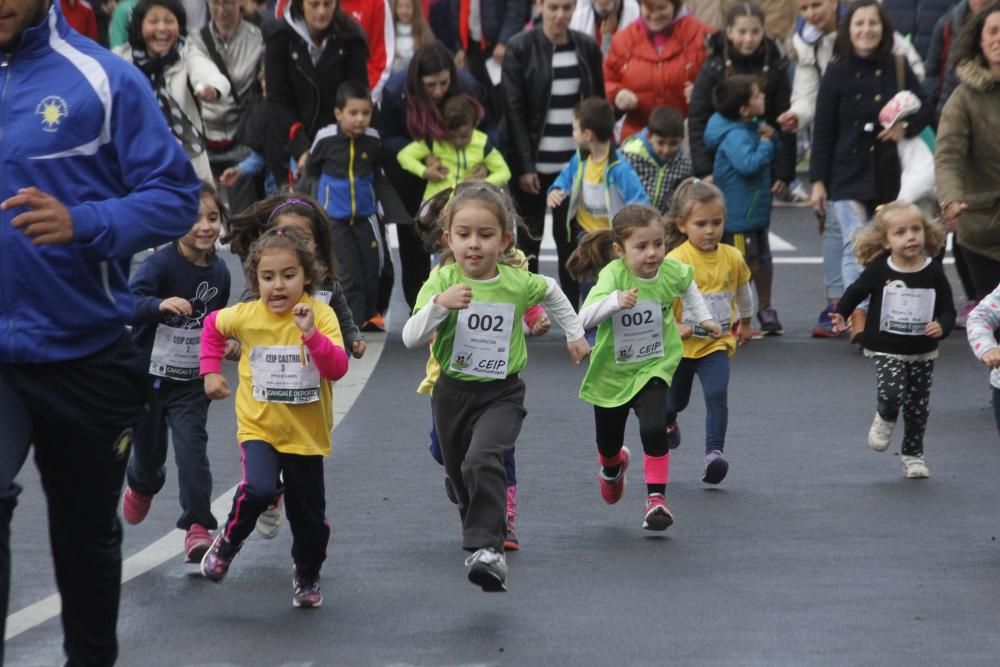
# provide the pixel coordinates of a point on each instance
(247, 226)
(870, 240)
(597, 248)
(966, 45)
(287, 239)
(690, 193)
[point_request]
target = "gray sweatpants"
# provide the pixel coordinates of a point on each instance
(477, 423)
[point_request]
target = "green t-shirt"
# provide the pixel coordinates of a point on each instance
(485, 341)
(632, 345)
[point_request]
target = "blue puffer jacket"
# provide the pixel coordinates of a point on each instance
(82, 125)
(742, 171)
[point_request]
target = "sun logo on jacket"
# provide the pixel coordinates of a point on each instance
(53, 109)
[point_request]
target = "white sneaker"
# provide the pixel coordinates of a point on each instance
(488, 570)
(914, 467)
(269, 521)
(880, 434)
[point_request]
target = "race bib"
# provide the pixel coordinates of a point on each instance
(175, 353)
(638, 333)
(906, 311)
(482, 339)
(720, 305)
(284, 374)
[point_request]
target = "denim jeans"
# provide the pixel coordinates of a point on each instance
(713, 371)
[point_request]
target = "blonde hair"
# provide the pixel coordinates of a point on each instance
(870, 240)
(690, 193)
(484, 195)
(596, 249)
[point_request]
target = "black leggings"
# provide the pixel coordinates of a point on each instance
(906, 385)
(650, 406)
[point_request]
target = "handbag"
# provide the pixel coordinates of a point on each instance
(916, 156)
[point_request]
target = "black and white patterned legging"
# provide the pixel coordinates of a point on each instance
(905, 384)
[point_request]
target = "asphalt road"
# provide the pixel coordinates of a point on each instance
(814, 551)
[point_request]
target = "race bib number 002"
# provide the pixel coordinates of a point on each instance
(638, 333)
(284, 374)
(482, 340)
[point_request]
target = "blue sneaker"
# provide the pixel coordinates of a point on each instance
(716, 467)
(824, 326)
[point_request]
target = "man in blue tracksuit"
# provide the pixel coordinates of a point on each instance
(89, 174)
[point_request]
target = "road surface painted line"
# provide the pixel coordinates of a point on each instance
(171, 545)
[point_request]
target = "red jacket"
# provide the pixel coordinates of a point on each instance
(80, 16)
(657, 79)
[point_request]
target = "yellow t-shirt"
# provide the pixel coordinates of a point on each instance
(593, 213)
(303, 428)
(718, 275)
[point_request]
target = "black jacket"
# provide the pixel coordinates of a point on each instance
(851, 94)
(777, 90)
(527, 84)
(300, 92)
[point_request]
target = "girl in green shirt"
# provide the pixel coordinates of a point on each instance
(637, 348)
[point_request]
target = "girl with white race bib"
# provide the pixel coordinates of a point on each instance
(637, 348)
(306, 214)
(472, 306)
(911, 309)
(174, 289)
(695, 225)
(292, 351)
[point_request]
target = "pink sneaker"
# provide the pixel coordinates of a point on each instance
(196, 543)
(658, 516)
(135, 506)
(612, 489)
(510, 541)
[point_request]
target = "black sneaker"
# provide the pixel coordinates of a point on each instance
(306, 591)
(215, 563)
(769, 324)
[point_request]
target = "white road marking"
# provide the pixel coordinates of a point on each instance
(171, 545)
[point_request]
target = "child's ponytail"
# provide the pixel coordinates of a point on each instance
(690, 193)
(593, 253)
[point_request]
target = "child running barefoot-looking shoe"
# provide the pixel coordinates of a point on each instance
(637, 348)
(695, 228)
(174, 290)
(292, 351)
(911, 309)
(304, 213)
(472, 307)
(981, 329)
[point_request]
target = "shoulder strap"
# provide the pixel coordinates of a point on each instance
(900, 73)
(206, 37)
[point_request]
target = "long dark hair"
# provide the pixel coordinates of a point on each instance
(843, 48)
(135, 38)
(341, 25)
(967, 47)
(424, 119)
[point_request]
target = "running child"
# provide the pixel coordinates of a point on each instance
(695, 227)
(468, 155)
(911, 309)
(304, 213)
(981, 329)
(472, 306)
(638, 347)
(175, 288)
(536, 323)
(292, 351)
